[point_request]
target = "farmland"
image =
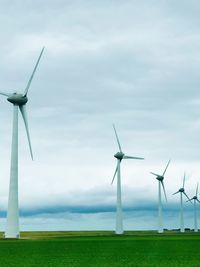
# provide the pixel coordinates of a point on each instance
(134, 249)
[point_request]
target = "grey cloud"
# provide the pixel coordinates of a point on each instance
(132, 63)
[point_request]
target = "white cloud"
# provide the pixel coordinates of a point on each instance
(134, 64)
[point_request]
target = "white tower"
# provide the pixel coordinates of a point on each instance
(19, 102)
(160, 179)
(195, 198)
(119, 156)
(182, 191)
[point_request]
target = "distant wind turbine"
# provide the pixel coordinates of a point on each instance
(119, 156)
(182, 191)
(19, 101)
(160, 179)
(195, 198)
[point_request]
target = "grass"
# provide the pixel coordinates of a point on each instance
(99, 249)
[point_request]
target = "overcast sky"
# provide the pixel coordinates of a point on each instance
(132, 63)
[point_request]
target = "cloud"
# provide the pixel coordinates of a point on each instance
(135, 64)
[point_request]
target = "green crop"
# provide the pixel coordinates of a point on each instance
(99, 249)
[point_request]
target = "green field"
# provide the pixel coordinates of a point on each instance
(68, 249)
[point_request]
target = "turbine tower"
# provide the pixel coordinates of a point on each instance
(119, 156)
(195, 198)
(19, 101)
(160, 179)
(182, 191)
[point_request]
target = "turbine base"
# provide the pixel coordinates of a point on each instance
(119, 232)
(7, 236)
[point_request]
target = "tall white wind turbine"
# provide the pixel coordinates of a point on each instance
(160, 179)
(182, 192)
(19, 101)
(195, 198)
(119, 156)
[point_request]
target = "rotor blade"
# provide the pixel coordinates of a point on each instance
(184, 180)
(34, 70)
(166, 168)
(187, 197)
(120, 149)
(198, 200)
(197, 189)
(164, 190)
(189, 200)
(130, 157)
(154, 174)
(24, 116)
(5, 94)
(115, 174)
(175, 193)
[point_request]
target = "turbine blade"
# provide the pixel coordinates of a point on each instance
(154, 174)
(120, 149)
(197, 189)
(184, 180)
(166, 168)
(175, 193)
(130, 157)
(5, 94)
(189, 200)
(187, 197)
(164, 190)
(114, 174)
(34, 70)
(198, 200)
(24, 116)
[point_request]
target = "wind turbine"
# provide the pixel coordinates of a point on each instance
(195, 198)
(19, 101)
(119, 156)
(182, 191)
(160, 179)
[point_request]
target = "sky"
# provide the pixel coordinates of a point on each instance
(132, 63)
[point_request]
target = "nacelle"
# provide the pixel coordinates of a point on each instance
(17, 99)
(159, 178)
(119, 155)
(181, 190)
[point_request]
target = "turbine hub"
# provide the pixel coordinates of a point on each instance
(181, 190)
(195, 197)
(160, 178)
(17, 99)
(119, 155)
